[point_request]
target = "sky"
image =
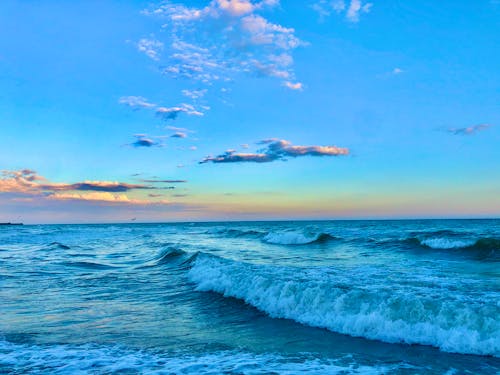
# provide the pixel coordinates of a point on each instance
(143, 111)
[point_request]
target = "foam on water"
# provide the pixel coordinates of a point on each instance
(295, 238)
(93, 359)
(415, 310)
(446, 243)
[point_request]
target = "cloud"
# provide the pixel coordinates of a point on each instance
(27, 186)
(102, 186)
(275, 149)
(177, 129)
(172, 113)
(164, 181)
(166, 113)
(136, 102)
(469, 130)
(178, 135)
(293, 86)
(397, 71)
(324, 8)
(150, 48)
(355, 8)
(144, 141)
(225, 38)
(194, 94)
(27, 181)
(104, 197)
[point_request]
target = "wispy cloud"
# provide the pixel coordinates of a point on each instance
(226, 37)
(194, 94)
(351, 10)
(155, 181)
(177, 129)
(469, 130)
(171, 113)
(136, 102)
(150, 47)
(275, 149)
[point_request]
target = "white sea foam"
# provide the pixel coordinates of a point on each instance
(93, 359)
(446, 243)
(291, 238)
(356, 304)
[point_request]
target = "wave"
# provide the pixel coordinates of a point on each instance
(231, 232)
(59, 245)
(296, 238)
(446, 243)
(285, 237)
(86, 359)
(354, 304)
(485, 248)
(89, 265)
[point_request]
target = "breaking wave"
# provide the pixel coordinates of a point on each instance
(296, 238)
(356, 304)
(94, 359)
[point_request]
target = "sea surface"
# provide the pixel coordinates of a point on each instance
(317, 297)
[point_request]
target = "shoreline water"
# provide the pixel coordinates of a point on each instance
(87, 294)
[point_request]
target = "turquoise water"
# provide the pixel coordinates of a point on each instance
(369, 297)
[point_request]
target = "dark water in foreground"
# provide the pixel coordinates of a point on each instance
(340, 297)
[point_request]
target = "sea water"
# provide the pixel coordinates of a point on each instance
(317, 297)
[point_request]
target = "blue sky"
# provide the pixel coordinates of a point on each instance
(262, 109)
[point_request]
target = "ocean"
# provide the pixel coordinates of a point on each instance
(304, 297)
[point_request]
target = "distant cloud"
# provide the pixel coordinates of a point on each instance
(355, 8)
(177, 129)
(293, 86)
(103, 197)
(164, 181)
(144, 141)
(33, 186)
(172, 113)
(26, 180)
(178, 135)
(469, 130)
(150, 48)
(194, 94)
(166, 113)
(136, 102)
(275, 149)
(113, 187)
(352, 11)
(397, 71)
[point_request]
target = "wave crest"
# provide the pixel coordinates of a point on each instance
(352, 304)
(296, 238)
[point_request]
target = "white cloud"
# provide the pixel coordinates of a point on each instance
(194, 94)
(226, 37)
(397, 71)
(324, 8)
(293, 86)
(136, 102)
(355, 8)
(150, 47)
